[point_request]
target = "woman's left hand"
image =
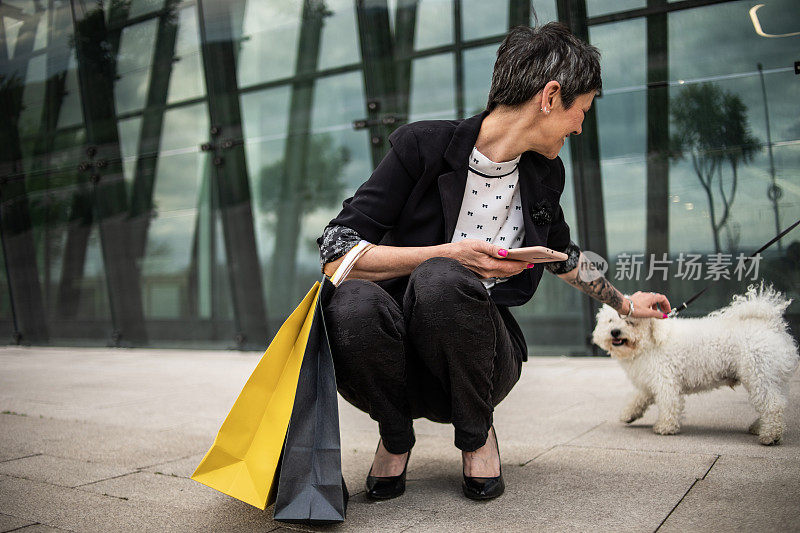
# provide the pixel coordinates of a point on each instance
(646, 305)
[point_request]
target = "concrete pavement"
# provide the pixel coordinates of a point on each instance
(105, 439)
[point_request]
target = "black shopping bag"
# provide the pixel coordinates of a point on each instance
(311, 489)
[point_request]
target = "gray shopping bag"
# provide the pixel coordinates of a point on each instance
(311, 489)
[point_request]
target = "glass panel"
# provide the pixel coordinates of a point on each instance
(347, 155)
(269, 46)
(143, 7)
(11, 29)
(729, 40)
(724, 87)
(717, 110)
(338, 162)
(129, 145)
(180, 163)
(265, 123)
(480, 19)
(209, 292)
(67, 241)
(177, 277)
(33, 97)
(391, 6)
(432, 88)
(71, 112)
(545, 10)
(603, 7)
(78, 305)
(621, 116)
(6, 317)
(478, 65)
(434, 24)
(133, 65)
(186, 80)
(222, 305)
(185, 282)
(94, 302)
(205, 271)
(52, 187)
(339, 45)
(166, 265)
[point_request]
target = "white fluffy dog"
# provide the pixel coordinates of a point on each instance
(746, 342)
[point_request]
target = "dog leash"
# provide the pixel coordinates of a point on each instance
(684, 305)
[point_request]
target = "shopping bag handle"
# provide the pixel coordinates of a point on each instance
(349, 261)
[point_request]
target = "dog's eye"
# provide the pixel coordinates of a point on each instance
(629, 322)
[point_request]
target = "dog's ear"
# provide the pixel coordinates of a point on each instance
(657, 331)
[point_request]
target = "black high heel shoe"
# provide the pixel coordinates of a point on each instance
(388, 487)
(484, 488)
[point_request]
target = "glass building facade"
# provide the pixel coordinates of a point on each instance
(166, 165)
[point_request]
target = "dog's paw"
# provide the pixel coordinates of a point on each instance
(666, 428)
(769, 439)
(629, 417)
(755, 427)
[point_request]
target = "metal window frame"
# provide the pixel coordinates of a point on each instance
(651, 9)
(230, 178)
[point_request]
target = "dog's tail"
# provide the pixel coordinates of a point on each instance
(759, 302)
(765, 304)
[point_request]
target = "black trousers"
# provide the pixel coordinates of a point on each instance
(442, 350)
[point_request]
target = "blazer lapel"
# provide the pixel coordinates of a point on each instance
(531, 174)
(451, 191)
(452, 183)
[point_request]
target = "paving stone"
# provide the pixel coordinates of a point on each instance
(130, 447)
(8, 523)
(715, 422)
(183, 467)
(567, 488)
(12, 454)
(38, 528)
(150, 388)
(159, 488)
(59, 471)
(742, 494)
(85, 511)
(192, 497)
(368, 517)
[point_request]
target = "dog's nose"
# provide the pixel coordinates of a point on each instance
(615, 332)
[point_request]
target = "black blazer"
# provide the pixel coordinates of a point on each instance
(413, 198)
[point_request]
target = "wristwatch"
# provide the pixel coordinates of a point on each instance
(630, 311)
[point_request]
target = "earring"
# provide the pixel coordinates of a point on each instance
(546, 111)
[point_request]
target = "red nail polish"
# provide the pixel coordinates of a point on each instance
(530, 265)
(503, 252)
(665, 315)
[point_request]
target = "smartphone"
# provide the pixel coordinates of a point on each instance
(535, 254)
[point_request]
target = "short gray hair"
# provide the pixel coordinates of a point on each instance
(529, 58)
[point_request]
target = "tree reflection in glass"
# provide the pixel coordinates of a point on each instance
(711, 127)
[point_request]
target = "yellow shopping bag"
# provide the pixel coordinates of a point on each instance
(244, 457)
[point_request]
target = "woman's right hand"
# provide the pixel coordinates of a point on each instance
(485, 259)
